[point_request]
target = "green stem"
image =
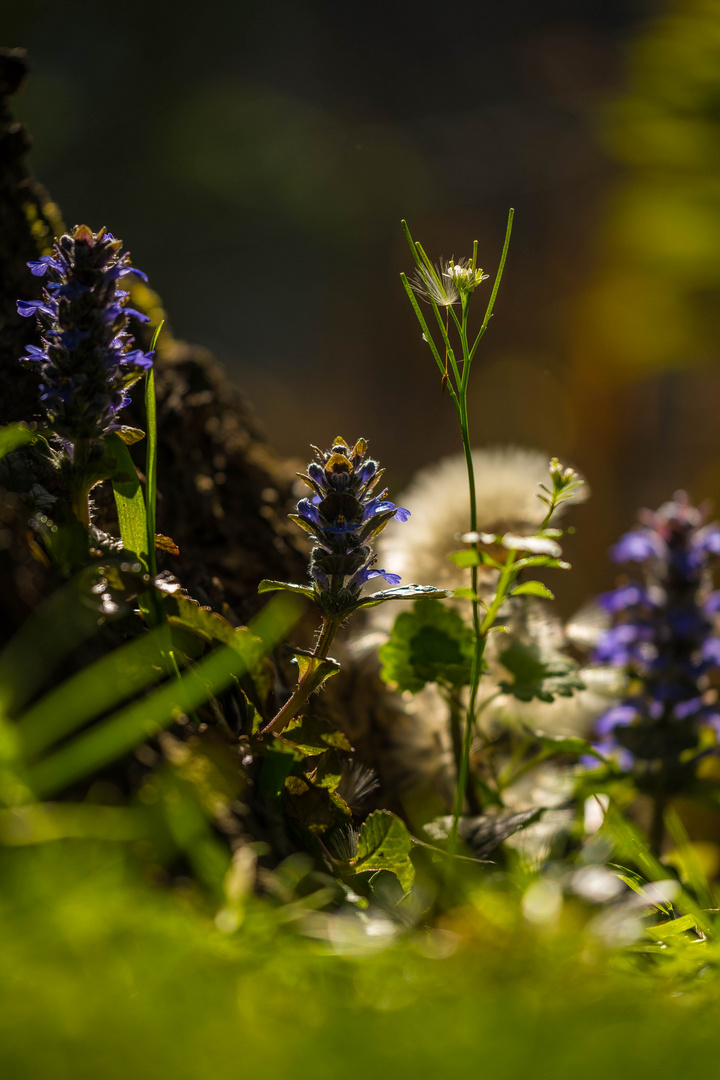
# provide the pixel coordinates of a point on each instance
(480, 638)
(330, 627)
(79, 493)
(308, 682)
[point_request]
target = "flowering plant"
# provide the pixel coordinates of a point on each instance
(443, 286)
(342, 516)
(86, 358)
(664, 636)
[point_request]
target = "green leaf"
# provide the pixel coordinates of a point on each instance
(629, 844)
(313, 671)
(542, 545)
(465, 594)
(128, 498)
(466, 557)
(312, 736)
(541, 560)
(187, 613)
(131, 435)
(665, 930)
(13, 436)
(431, 643)
(565, 744)
(314, 807)
(384, 844)
(538, 674)
(533, 588)
(402, 592)
(286, 586)
(686, 860)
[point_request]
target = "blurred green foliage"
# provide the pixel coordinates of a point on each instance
(103, 976)
(654, 301)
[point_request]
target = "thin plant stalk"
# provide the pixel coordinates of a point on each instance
(151, 503)
(458, 393)
(308, 681)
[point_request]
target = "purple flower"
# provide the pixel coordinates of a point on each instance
(342, 516)
(664, 637)
(626, 596)
(87, 359)
(636, 547)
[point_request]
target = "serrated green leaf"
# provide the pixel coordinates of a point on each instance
(314, 807)
(311, 735)
(203, 621)
(533, 588)
(328, 772)
(431, 643)
(384, 844)
(540, 675)
(314, 670)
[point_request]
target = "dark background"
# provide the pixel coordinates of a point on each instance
(257, 159)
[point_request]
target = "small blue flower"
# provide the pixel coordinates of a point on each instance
(87, 359)
(343, 515)
(665, 637)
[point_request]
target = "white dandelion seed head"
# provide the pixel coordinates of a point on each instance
(506, 483)
(436, 285)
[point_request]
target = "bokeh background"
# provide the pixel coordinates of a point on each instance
(257, 159)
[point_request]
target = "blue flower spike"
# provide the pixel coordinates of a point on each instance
(87, 359)
(664, 635)
(343, 516)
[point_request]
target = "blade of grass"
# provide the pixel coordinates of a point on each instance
(91, 692)
(632, 845)
(690, 864)
(151, 460)
(41, 822)
(143, 719)
(46, 638)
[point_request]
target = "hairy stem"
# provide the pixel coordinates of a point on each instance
(309, 681)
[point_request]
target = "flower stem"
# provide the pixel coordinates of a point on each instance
(310, 679)
(79, 495)
(480, 638)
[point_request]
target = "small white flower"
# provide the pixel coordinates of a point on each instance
(464, 276)
(445, 282)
